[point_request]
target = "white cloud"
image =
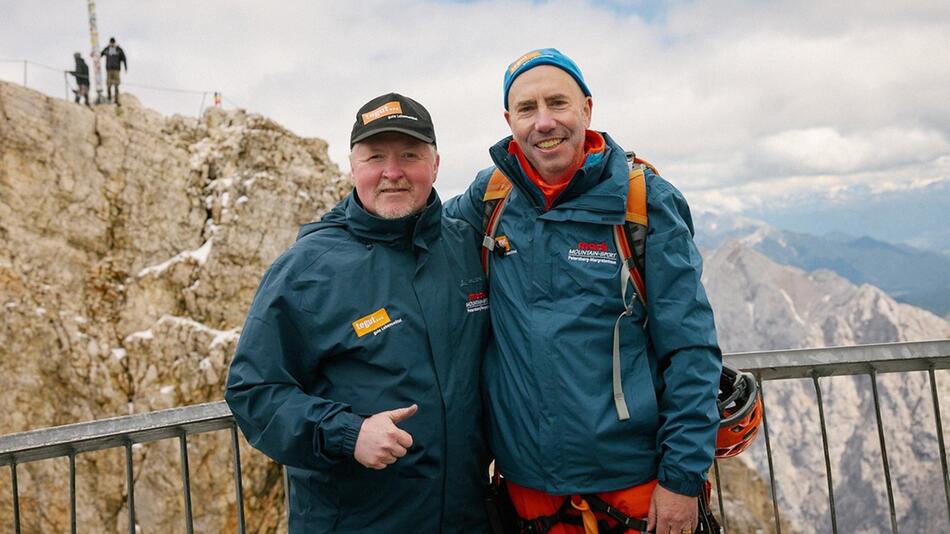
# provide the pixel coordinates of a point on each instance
(766, 99)
(825, 150)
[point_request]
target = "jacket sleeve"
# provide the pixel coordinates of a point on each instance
(267, 385)
(122, 58)
(468, 205)
(683, 333)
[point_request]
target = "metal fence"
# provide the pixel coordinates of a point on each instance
(868, 360)
(123, 432)
(39, 77)
(179, 423)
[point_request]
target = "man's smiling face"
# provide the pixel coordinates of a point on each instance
(548, 115)
(393, 174)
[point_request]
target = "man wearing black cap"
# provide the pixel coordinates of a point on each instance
(358, 366)
(601, 383)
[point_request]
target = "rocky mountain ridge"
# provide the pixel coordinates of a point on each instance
(133, 244)
(912, 276)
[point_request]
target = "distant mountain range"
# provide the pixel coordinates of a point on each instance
(916, 216)
(909, 275)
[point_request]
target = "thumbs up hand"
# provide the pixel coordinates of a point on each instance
(380, 442)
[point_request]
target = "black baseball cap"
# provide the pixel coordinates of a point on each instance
(392, 112)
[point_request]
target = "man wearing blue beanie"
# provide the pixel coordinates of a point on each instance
(601, 378)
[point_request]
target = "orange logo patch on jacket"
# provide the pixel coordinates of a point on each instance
(370, 323)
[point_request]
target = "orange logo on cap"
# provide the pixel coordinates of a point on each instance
(522, 60)
(371, 322)
(389, 108)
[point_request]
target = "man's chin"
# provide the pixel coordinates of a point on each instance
(549, 163)
(396, 211)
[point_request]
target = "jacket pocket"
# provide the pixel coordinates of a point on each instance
(314, 500)
(638, 385)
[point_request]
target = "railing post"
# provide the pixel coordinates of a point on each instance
(722, 510)
(16, 499)
(186, 481)
(24, 73)
(286, 478)
(768, 454)
(940, 444)
(824, 444)
(72, 492)
(880, 435)
(238, 485)
(130, 484)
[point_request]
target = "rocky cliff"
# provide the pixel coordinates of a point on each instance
(761, 305)
(132, 246)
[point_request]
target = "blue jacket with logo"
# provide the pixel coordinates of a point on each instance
(553, 423)
(363, 315)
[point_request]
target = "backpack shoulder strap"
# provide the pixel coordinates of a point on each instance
(493, 204)
(631, 237)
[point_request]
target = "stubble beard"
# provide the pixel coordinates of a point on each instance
(398, 211)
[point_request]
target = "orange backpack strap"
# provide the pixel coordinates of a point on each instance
(493, 203)
(498, 186)
(631, 236)
(630, 239)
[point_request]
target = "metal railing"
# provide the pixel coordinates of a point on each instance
(70, 440)
(179, 423)
(45, 85)
(870, 360)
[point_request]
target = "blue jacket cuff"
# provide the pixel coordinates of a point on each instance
(690, 488)
(351, 430)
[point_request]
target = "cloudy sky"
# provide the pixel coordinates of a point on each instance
(743, 104)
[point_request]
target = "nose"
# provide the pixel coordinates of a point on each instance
(545, 120)
(392, 170)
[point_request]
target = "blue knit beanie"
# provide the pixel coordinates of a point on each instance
(543, 56)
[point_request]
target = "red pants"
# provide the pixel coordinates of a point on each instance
(531, 503)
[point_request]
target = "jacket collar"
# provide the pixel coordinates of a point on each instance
(597, 192)
(419, 229)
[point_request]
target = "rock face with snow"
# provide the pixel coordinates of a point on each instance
(132, 246)
(761, 305)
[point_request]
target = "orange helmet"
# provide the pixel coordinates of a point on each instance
(740, 412)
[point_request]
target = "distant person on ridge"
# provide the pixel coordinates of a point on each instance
(115, 58)
(81, 73)
(359, 362)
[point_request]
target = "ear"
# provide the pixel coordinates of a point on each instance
(435, 171)
(508, 118)
(352, 166)
(588, 111)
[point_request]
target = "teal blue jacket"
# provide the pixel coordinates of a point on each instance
(555, 297)
(313, 361)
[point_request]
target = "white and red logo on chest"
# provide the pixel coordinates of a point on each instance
(476, 301)
(592, 252)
